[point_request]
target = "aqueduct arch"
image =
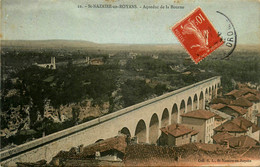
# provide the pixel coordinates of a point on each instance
(140, 131)
(210, 93)
(206, 94)
(213, 92)
(189, 105)
(201, 101)
(165, 118)
(154, 129)
(206, 97)
(174, 115)
(182, 110)
(182, 107)
(195, 102)
(125, 131)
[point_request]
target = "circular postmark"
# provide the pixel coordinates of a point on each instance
(227, 32)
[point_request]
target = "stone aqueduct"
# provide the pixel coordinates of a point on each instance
(142, 120)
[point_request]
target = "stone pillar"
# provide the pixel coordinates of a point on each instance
(204, 101)
(170, 118)
(147, 134)
(178, 117)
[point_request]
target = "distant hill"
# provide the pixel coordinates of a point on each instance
(63, 44)
(91, 46)
(46, 43)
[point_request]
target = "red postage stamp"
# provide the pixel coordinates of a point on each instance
(197, 35)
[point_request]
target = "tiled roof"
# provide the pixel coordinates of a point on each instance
(243, 91)
(248, 90)
(176, 130)
(218, 106)
(255, 128)
(239, 124)
(218, 117)
(221, 100)
(232, 92)
(221, 136)
(251, 97)
(238, 109)
(117, 143)
(236, 93)
(220, 113)
(200, 114)
(243, 121)
(194, 132)
(242, 102)
(230, 127)
(242, 141)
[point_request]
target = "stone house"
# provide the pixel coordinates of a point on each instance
(247, 98)
(220, 117)
(256, 105)
(220, 137)
(112, 149)
(177, 134)
(239, 127)
(244, 103)
(218, 120)
(221, 100)
(225, 138)
(202, 121)
(232, 110)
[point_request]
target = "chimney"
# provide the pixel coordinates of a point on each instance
(167, 128)
(227, 142)
(177, 125)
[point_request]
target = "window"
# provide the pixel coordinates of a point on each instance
(186, 135)
(183, 137)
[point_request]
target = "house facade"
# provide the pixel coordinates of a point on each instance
(177, 134)
(202, 121)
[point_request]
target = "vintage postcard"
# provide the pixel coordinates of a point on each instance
(130, 83)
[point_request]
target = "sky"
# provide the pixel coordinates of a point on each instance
(62, 19)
